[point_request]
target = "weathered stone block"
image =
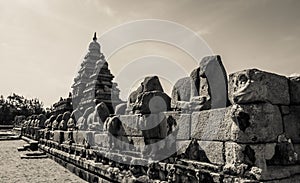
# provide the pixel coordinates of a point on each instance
(58, 136)
(253, 85)
(68, 135)
(292, 124)
(182, 126)
(79, 137)
(213, 151)
(120, 109)
(239, 157)
(130, 125)
(285, 109)
(210, 151)
(138, 143)
(295, 89)
(210, 125)
(101, 139)
(239, 123)
(213, 71)
(182, 90)
(255, 123)
(280, 172)
(152, 102)
(154, 126)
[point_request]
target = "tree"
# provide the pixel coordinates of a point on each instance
(16, 105)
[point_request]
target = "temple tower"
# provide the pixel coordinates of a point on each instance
(93, 83)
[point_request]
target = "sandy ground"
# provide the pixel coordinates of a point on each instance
(15, 169)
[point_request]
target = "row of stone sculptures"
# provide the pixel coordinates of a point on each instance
(189, 94)
(92, 119)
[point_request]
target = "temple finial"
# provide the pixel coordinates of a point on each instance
(95, 37)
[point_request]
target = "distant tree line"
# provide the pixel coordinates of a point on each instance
(16, 105)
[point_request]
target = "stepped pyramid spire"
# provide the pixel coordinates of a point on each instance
(93, 83)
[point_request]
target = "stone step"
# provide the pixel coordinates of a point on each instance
(33, 157)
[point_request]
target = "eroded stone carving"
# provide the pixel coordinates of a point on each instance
(72, 121)
(56, 122)
(82, 121)
(149, 98)
(206, 88)
(96, 119)
(253, 85)
(63, 124)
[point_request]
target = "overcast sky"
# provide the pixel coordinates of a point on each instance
(42, 42)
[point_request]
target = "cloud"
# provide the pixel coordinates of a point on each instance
(203, 32)
(108, 11)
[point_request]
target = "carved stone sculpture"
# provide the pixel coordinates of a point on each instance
(71, 124)
(97, 118)
(64, 121)
(253, 85)
(82, 121)
(48, 122)
(56, 122)
(42, 118)
(149, 98)
(206, 88)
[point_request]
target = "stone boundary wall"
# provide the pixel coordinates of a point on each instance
(255, 139)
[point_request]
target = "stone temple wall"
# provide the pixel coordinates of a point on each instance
(255, 137)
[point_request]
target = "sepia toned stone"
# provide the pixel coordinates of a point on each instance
(181, 125)
(216, 89)
(181, 91)
(255, 123)
(152, 83)
(292, 124)
(120, 109)
(240, 123)
(239, 157)
(210, 125)
(152, 102)
(253, 85)
(294, 84)
(63, 124)
(213, 151)
(130, 125)
(96, 119)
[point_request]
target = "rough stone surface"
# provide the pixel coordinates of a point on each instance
(56, 122)
(292, 124)
(212, 69)
(213, 151)
(79, 137)
(210, 125)
(96, 119)
(241, 157)
(101, 139)
(152, 83)
(120, 109)
(285, 153)
(58, 136)
(195, 82)
(63, 123)
(295, 89)
(181, 91)
(250, 86)
(152, 102)
(182, 126)
(154, 126)
(138, 143)
(130, 125)
(240, 123)
(255, 123)
(203, 151)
